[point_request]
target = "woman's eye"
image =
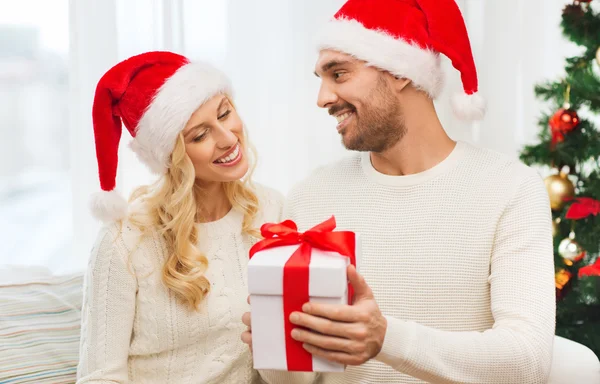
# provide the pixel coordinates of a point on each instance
(224, 115)
(199, 137)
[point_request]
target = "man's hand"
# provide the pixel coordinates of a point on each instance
(346, 334)
(247, 335)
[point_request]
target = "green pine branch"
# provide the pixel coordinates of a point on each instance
(584, 86)
(582, 28)
(580, 147)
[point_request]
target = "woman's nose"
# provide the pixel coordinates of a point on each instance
(227, 138)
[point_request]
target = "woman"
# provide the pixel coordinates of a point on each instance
(166, 283)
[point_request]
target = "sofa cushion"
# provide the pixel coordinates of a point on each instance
(40, 318)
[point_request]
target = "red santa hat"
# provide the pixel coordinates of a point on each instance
(405, 37)
(153, 95)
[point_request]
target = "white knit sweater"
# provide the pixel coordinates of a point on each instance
(133, 328)
(460, 261)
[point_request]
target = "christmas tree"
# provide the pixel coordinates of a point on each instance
(570, 145)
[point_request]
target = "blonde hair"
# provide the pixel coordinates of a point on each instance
(171, 206)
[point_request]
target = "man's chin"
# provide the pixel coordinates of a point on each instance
(351, 145)
(350, 141)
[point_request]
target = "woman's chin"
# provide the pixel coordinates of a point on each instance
(234, 173)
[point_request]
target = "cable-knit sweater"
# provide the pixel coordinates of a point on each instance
(459, 258)
(135, 330)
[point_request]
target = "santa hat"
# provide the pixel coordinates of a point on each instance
(153, 95)
(405, 37)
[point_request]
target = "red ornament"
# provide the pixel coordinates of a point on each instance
(584, 1)
(590, 270)
(561, 123)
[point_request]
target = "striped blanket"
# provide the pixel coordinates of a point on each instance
(39, 329)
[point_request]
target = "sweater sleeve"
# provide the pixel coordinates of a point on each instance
(108, 312)
(518, 347)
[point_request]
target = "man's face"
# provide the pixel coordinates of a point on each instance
(362, 100)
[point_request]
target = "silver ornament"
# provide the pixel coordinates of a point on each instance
(569, 248)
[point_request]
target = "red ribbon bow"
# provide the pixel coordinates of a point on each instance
(582, 208)
(296, 272)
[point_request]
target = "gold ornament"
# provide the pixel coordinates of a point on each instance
(561, 278)
(559, 188)
(570, 250)
(556, 227)
(598, 56)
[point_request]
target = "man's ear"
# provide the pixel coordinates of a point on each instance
(400, 83)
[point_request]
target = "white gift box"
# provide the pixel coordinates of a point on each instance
(327, 284)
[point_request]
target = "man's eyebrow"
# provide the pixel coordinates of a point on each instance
(331, 64)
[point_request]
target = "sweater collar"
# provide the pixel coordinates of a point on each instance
(414, 179)
(230, 223)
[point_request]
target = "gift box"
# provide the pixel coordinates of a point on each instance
(286, 270)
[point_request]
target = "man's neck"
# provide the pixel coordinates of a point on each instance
(213, 203)
(424, 145)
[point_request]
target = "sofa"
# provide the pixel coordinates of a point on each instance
(40, 324)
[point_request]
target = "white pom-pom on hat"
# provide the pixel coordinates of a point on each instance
(468, 107)
(108, 206)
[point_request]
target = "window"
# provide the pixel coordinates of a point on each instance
(35, 192)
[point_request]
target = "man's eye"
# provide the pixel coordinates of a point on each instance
(337, 75)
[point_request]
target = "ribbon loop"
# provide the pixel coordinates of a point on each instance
(285, 228)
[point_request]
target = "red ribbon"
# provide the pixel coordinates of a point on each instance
(582, 208)
(296, 272)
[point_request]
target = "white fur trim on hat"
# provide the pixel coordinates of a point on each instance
(382, 50)
(108, 206)
(173, 105)
(468, 107)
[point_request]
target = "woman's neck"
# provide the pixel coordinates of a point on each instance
(212, 203)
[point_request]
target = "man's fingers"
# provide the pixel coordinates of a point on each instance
(322, 325)
(337, 357)
(329, 343)
(361, 288)
(335, 312)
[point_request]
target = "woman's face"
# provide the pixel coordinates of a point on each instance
(214, 141)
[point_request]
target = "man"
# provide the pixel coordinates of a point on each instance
(456, 280)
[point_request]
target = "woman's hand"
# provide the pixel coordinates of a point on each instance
(247, 335)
